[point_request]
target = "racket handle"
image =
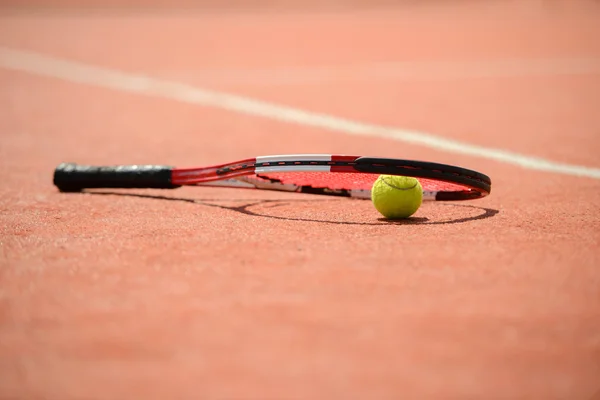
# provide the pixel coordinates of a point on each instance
(71, 177)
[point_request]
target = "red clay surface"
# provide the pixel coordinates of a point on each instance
(229, 294)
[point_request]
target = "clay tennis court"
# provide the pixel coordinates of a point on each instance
(215, 293)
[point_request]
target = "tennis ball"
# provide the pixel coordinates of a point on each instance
(396, 197)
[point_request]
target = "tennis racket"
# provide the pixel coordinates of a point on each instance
(337, 175)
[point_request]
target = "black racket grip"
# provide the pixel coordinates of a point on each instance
(71, 177)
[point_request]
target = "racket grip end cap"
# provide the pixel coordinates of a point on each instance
(72, 177)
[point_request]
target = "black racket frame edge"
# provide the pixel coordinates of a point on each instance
(422, 169)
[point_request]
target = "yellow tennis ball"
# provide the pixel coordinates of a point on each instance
(396, 197)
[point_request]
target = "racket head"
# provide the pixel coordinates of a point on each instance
(341, 175)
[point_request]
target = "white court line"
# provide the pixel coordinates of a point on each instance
(396, 71)
(44, 65)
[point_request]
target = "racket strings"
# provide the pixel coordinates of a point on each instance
(348, 181)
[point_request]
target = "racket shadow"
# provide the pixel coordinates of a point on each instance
(245, 209)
